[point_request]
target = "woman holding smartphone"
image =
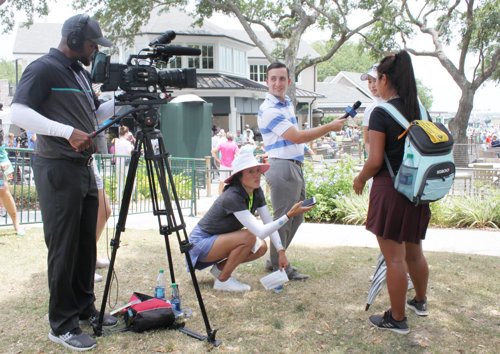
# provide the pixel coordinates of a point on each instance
(229, 234)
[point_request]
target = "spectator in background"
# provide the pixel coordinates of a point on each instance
(238, 139)
(224, 155)
(123, 151)
(7, 204)
(371, 77)
(247, 133)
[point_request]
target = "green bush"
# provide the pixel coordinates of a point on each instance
(352, 208)
(468, 211)
(25, 196)
(337, 203)
(329, 184)
(183, 184)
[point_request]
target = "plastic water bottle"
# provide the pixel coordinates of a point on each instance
(408, 160)
(175, 300)
(160, 285)
(407, 178)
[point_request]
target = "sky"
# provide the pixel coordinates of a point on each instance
(444, 90)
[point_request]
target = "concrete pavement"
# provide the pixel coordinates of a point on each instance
(467, 241)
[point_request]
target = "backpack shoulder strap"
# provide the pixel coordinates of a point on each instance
(395, 114)
(398, 117)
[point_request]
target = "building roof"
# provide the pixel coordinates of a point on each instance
(305, 50)
(215, 81)
(37, 39)
(182, 23)
(223, 81)
(340, 95)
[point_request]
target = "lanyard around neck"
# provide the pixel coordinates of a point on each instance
(85, 86)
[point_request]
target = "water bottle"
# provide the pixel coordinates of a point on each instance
(160, 285)
(406, 177)
(408, 161)
(175, 300)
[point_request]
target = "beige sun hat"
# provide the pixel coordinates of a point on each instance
(244, 161)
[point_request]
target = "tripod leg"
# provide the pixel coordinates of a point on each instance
(159, 167)
(120, 227)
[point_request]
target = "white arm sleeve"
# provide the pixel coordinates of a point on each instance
(29, 119)
(266, 217)
(258, 229)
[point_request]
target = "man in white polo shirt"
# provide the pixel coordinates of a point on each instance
(284, 144)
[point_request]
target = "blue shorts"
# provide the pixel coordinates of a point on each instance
(202, 244)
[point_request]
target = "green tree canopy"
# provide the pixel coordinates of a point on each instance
(352, 57)
(10, 8)
(472, 27)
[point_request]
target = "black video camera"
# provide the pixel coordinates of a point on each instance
(141, 75)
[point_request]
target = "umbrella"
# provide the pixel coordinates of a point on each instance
(378, 281)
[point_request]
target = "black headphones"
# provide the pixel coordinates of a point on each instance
(76, 38)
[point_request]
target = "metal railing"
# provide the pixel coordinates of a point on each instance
(189, 175)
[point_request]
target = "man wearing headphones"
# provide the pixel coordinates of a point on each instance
(55, 100)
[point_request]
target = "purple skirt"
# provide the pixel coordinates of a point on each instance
(392, 216)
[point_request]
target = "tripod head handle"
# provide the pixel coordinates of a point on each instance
(115, 120)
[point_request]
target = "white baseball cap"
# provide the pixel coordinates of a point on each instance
(370, 73)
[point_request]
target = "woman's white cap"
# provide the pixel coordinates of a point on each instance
(244, 161)
(370, 73)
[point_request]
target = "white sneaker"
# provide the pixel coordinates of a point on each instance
(102, 263)
(215, 271)
(97, 278)
(230, 285)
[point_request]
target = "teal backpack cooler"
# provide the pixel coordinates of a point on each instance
(428, 169)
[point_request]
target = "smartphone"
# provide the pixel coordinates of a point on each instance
(309, 202)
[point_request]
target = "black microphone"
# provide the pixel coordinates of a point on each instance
(165, 38)
(351, 111)
(171, 50)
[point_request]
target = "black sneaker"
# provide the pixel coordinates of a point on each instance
(420, 307)
(93, 319)
(294, 274)
(387, 322)
(75, 340)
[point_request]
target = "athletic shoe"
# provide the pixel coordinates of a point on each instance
(420, 307)
(93, 319)
(230, 285)
(102, 263)
(21, 232)
(75, 340)
(215, 271)
(294, 274)
(97, 278)
(387, 322)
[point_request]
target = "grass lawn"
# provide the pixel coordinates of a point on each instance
(324, 314)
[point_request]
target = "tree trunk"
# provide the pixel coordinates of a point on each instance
(458, 127)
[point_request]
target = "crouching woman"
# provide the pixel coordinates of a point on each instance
(229, 234)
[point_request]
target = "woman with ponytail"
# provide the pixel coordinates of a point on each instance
(399, 225)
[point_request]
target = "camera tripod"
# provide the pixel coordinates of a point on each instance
(150, 139)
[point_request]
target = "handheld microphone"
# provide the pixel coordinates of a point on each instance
(164, 38)
(351, 111)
